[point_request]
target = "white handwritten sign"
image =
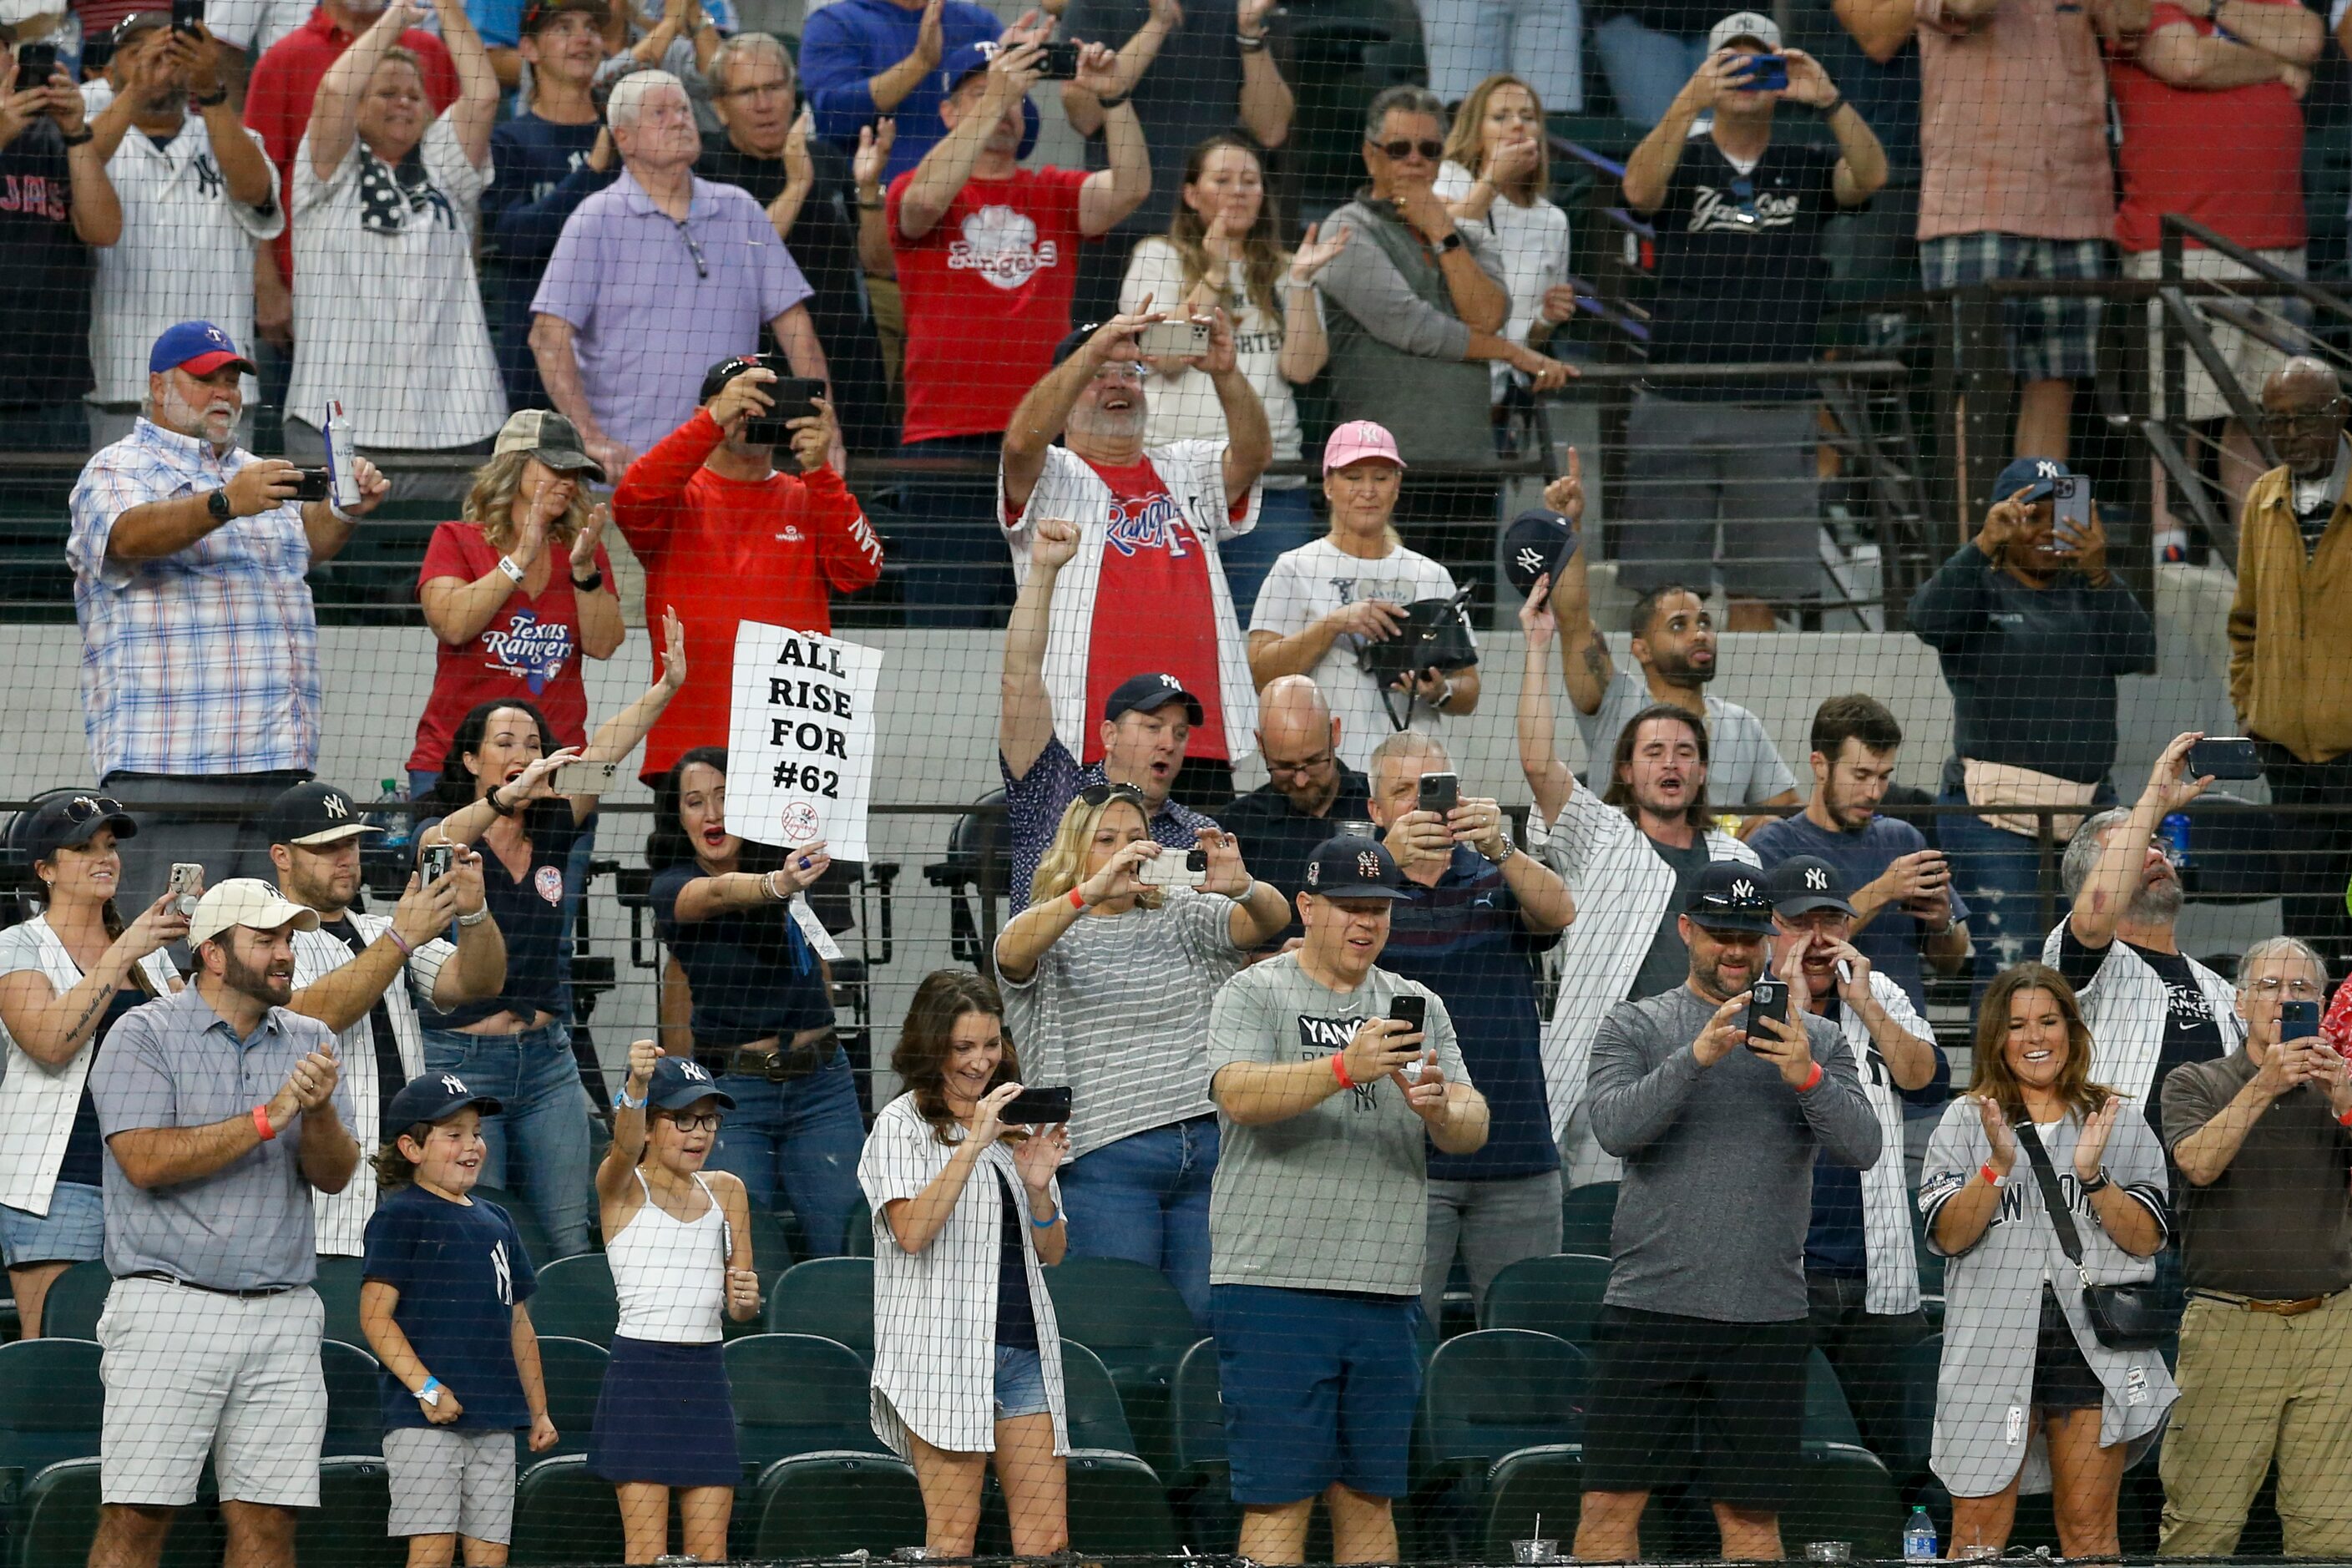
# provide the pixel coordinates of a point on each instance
(800, 739)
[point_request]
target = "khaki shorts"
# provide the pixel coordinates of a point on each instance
(2250, 359)
(451, 1483)
(192, 1375)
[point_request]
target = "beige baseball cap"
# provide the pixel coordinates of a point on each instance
(1744, 25)
(246, 902)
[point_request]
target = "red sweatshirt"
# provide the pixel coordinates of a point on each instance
(722, 550)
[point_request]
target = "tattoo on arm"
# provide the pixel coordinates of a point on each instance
(90, 1014)
(1596, 657)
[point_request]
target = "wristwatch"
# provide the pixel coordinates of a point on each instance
(588, 584)
(1503, 831)
(214, 101)
(1453, 241)
(217, 503)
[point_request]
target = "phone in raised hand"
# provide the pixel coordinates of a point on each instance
(1173, 869)
(186, 885)
(1767, 999)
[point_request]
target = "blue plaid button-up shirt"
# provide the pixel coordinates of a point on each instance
(206, 660)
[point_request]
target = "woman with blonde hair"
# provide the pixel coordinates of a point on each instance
(1496, 170)
(1223, 247)
(2041, 1186)
(1107, 979)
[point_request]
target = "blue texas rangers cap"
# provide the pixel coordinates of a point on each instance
(964, 61)
(433, 1097)
(1730, 897)
(2035, 475)
(681, 1082)
(197, 347)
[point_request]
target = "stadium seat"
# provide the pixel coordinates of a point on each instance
(535, 1244)
(1199, 1481)
(1118, 1506)
(1483, 1395)
(1544, 1483)
(1559, 1295)
(1091, 1404)
(1922, 1367)
(798, 1394)
(56, 1519)
(772, 1248)
(857, 1236)
(347, 1528)
(338, 1286)
(1843, 1493)
(76, 1298)
(355, 1399)
(51, 1406)
(574, 1374)
(835, 1503)
(565, 1514)
(1829, 1417)
(1131, 1316)
(1586, 1214)
(575, 1300)
(829, 1297)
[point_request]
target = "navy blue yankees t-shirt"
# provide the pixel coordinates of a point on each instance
(460, 1269)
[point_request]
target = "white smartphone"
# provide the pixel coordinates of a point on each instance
(188, 884)
(581, 776)
(1172, 340)
(1175, 869)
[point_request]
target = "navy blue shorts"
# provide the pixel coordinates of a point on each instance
(1319, 1386)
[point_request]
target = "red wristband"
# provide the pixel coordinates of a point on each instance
(261, 1123)
(2345, 1119)
(1992, 1178)
(1812, 1080)
(1339, 1070)
(1077, 900)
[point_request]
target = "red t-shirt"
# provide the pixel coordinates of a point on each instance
(987, 296)
(725, 550)
(1152, 605)
(286, 83)
(2232, 159)
(530, 652)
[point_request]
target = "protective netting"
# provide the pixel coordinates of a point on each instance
(1334, 781)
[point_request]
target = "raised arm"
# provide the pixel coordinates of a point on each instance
(334, 113)
(2106, 892)
(50, 1028)
(1539, 762)
(1651, 165)
(619, 735)
(1257, 1094)
(343, 995)
(1082, 98)
(476, 108)
(1267, 101)
(614, 1172)
(946, 167)
(1249, 436)
(1045, 409)
(1110, 194)
(1024, 720)
(1881, 26)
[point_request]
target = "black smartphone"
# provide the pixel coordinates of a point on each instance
(792, 395)
(186, 14)
(437, 861)
(1439, 792)
(2225, 757)
(314, 484)
(1059, 62)
(2298, 1021)
(1411, 1009)
(1035, 1107)
(36, 63)
(1767, 998)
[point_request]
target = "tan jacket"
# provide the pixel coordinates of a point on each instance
(2290, 627)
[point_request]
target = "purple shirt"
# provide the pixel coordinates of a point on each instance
(653, 303)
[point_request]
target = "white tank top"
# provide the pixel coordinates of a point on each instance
(670, 1274)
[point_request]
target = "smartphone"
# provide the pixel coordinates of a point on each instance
(2225, 757)
(2070, 509)
(1172, 340)
(1765, 73)
(313, 484)
(1768, 998)
(36, 63)
(581, 776)
(1411, 1009)
(791, 395)
(1035, 1107)
(1059, 62)
(187, 884)
(437, 861)
(1169, 869)
(1439, 792)
(2298, 1021)
(186, 14)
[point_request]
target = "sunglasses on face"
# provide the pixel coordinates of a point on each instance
(1402, 148)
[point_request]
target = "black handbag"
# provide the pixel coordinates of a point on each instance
(2122, 1317)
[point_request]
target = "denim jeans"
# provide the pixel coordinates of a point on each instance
(1146, 1198)
(542, 1120)
(1644, 67)
(1540, 40)
(803, 1136)
(1285, 520)
(1999, 874)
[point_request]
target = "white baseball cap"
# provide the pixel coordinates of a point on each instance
(1744, 25)
(245, 902)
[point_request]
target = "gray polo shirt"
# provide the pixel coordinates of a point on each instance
(174, 1062)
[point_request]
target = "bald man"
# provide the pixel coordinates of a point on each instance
(2291, 643)
(1307, 792)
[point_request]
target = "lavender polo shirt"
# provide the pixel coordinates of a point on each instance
(653, 303)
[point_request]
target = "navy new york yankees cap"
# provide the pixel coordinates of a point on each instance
(1804, 883)
(681, 1081)
(1730, 897)
(1149, 693)
(1352, 868)
(433, 1097)
(314, 815)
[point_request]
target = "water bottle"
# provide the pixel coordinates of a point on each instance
(342, 471)
(2174, 832)
(398, 825)
(1919, 1538)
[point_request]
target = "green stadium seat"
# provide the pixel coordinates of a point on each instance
(1200, 1480)
(798, 1394)
(575, 1300)
(1483, 1395)
(574, 1374)
(51, 1406)
(1091, 1404)
(1829, 1419)
(338, 1286)
(1586, 1214)
(565, 1514)
(56, 1520)
(1544, 1483)
(1843, 1493)
(829, 1297)
(1118, 1506)
(772, 1248)
(355, 1399)
(832, 1504)
(76, 1298)
(347, 1528)
(857, 1236)
(1560, 1295)
(1131, 1316)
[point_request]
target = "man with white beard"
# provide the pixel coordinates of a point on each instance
(2151, 1006)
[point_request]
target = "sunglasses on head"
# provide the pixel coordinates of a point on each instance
(86, 807)
(1402, 148)
(1097, 794)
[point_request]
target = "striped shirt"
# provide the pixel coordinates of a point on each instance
(203, 661)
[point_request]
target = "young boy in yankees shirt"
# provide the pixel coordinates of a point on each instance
(1318, 1218)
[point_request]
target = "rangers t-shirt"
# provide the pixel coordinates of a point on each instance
(1152, 605)
(530, 652)
(987, 296)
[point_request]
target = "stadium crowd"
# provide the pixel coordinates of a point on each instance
(1317, 1046)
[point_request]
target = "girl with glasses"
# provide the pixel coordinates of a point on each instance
(680, 1243)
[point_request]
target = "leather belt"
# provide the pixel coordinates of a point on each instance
(811, 1050)
(255, 1294)
(2294, 1309)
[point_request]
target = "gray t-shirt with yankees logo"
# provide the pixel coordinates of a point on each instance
(1336, 1197)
